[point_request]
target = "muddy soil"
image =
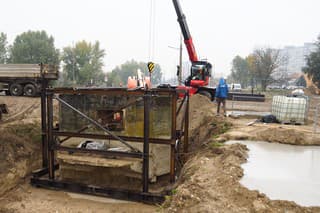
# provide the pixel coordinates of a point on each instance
(20, 153)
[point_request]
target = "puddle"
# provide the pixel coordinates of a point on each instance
(248, 113)
(283, 172)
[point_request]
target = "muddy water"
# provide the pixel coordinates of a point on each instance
(284, 172)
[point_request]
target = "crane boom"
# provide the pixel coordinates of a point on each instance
(200, 70)
(185, 32)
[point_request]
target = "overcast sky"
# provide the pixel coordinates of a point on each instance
(220, 29)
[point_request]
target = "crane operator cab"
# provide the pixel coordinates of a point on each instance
(200, 74)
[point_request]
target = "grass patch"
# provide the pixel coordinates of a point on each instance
(216, 144)
(225, 127)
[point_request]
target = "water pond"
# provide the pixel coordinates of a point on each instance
(283, 172)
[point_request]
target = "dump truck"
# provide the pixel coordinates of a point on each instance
(25, 79)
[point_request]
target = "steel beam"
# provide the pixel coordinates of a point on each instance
(108, 137)
(151, 198)
(99, 152)
(146, 121)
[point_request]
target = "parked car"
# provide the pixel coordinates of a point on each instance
(235, 87)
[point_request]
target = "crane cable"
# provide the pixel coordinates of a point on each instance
(152, 20)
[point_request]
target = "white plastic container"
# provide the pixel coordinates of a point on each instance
(290, 109)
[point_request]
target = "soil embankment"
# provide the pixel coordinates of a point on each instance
(20, 153)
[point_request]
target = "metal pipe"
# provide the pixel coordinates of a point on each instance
(186, 127)
(97, 124)
(173, 136)
(179, 108)
(185, 109)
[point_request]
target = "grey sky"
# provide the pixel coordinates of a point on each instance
(221, 29)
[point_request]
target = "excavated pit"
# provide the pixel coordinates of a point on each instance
(126, 173)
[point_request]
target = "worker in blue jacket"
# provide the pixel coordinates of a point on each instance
(221, 95)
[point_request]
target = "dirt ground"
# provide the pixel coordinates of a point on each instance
(209, 181)
(27, 199)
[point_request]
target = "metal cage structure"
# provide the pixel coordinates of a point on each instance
(106, 127)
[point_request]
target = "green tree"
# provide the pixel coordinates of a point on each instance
(3, 48)
(312, 68)
(120, 74)
(240, 71)
(34, 47)
(83, 64)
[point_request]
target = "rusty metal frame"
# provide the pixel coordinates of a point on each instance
(45, 177)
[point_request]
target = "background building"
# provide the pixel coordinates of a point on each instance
(295, 57)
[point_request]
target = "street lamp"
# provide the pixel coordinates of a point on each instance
(179, 73)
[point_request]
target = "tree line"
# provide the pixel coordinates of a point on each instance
(82, 63)
(257, 69)
(265, 66)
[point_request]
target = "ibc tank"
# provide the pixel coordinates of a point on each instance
(290, 109)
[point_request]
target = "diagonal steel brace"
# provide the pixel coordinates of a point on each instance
(97, 124)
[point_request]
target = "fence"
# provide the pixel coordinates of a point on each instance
(316, 120)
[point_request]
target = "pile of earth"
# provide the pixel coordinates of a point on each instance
(203, 122)
(210, 183)
(275, 133)
(20, 153)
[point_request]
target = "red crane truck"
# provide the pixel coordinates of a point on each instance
(198, 80)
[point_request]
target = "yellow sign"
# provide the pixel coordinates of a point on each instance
(150, 67)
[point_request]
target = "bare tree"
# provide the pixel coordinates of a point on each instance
(267, 61)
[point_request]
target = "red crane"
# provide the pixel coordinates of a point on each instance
(200, 70)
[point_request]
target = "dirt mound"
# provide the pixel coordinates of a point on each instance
(210, 183)
(20, 153)
(286, 134)
(281, 135)
(203, 121)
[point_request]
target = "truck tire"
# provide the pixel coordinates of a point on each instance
(206, 94)
(30, 90)
(16, 89)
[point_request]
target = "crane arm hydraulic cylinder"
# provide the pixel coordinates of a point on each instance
(185, 32)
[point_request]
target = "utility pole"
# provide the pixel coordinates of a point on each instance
(179, 70)
(180, 62)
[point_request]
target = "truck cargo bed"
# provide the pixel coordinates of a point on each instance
(28, 71)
